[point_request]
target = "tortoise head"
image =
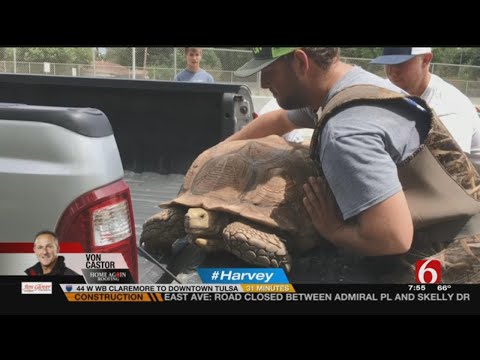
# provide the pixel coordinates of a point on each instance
(199, 221)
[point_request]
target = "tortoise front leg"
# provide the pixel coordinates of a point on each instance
(255, 245)
(162, 229)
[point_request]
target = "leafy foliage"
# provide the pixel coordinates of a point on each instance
(364, 52)
(71, 55)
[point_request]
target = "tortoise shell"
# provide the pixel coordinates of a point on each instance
(260, 180)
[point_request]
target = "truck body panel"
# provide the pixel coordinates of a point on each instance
(45, 167)
(159, 126)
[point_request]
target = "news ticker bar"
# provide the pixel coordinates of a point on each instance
(258, 292)
(176, 288)
(168, 292)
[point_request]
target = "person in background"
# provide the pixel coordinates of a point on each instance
(193, 72)
(409, 69)
(46, 249)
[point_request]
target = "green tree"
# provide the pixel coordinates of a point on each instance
(160, 57)
(447, 55)
(70, 55)
(470, 56)
(6, 54)
(361, 52)
(123, 56)
(232, 60)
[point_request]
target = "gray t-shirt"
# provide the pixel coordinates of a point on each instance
(361, 145)
(199, 76)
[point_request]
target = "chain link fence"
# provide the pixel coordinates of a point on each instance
(162, 63)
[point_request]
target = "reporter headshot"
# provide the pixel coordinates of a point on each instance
(46, 249)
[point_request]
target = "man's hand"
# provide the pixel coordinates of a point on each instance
(322, 207)
(383, 229)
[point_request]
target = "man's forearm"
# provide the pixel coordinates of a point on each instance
(275, 122)
(384, 229)
(363, 241)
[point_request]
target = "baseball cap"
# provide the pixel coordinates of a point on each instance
(398, 55)
(262, 57)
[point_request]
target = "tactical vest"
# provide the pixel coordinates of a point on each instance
(442, 189)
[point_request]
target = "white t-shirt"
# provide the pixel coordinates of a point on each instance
(271, 105)
(297, 135)
(457, 113)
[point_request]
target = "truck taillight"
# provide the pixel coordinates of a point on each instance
(102, 221)
(111, 222)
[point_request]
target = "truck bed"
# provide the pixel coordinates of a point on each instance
(148, 189)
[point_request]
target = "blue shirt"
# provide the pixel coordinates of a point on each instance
(362, 145)
(199, 76)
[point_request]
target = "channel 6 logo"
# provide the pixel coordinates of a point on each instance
(428, 271)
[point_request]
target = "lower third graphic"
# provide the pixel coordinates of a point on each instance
(243, 276)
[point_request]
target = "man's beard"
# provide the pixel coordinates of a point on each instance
(296, 98)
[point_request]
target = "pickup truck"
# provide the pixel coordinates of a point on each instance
(71, 155)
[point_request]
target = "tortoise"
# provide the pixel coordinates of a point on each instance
(245, 197)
